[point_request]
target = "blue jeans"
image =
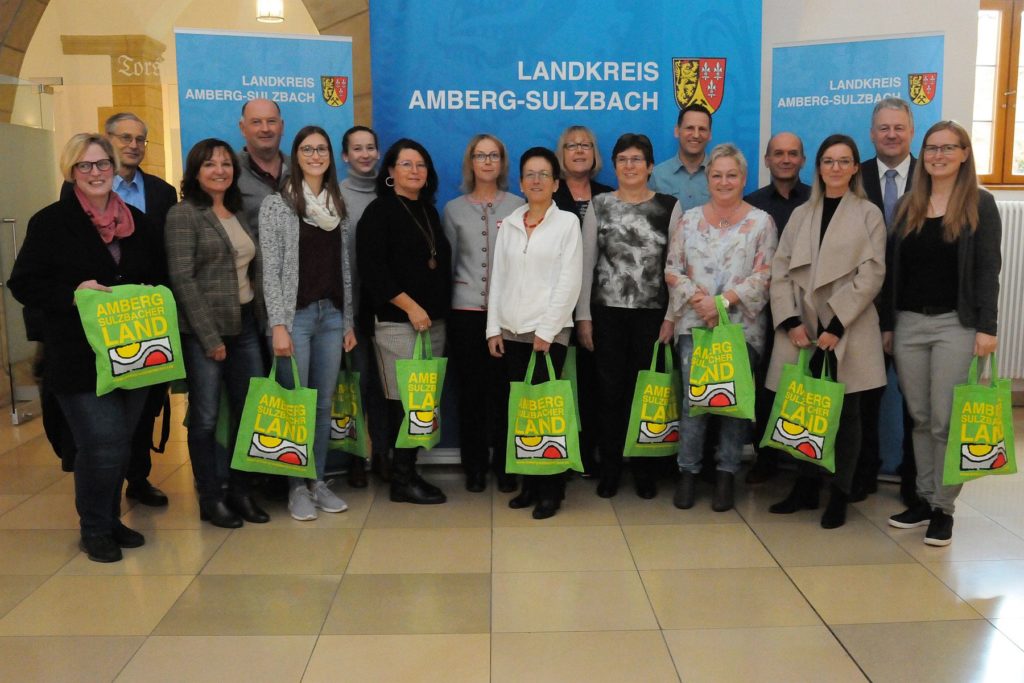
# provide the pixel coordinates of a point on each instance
(317, 335)
(733, 432)
(102, 427)
(211, 463)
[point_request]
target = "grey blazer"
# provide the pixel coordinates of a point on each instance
(279, 241)
(201, 266)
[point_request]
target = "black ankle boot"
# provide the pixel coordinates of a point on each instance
(217, 513)
(835, 512)
(409, 487)
(246, 508)
(685, 490)
(724, 496)
(803, 496)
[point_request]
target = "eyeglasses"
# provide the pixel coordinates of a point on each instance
(932, 150)
(309, 150)
(537, 175)
(582, 146)
(844, 163)
(102, 166)
(128, 138)
(407, 165)
(630, 161)
(493, 157)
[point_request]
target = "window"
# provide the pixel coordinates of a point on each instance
(998, 121)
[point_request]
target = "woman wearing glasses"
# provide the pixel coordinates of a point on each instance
(826, 274)
(940, 306)
(624, 297)
(405, 267)
(89, 239)
(536, 284)
(471, 224)
(307, 284)
(581, 161)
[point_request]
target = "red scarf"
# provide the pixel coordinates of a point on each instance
(114, 221)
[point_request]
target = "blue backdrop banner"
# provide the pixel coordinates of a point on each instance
(830, 88)
(444, 70)
(309, 77)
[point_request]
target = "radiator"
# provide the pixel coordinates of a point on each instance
(1011, 291)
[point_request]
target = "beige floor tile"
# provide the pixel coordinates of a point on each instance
(696, 546)
(1015, 525)
(219, 658)
(95, 606)
(358, 501)
(411, 603)
(785, 654)
(1012, 629)
(65, 659)
(253, 550)
(9, 501)
(594, 656)
(176, 451)
(181, 513)
(43, 512)
(994, 588)
(29, 478)
(463, 509)
(282, 605)
(32, 452)
(167, 551)
(14, 589)
(423, 658)
(635, 511)
(179, 480)
(974, 538)
(883, 593)
(570, 601)
(581, 507)
(882, 505)
(422, 551)
(36, 551)
(12, 436)
(585, 548)
(937, 652)
(856, 542)
(997, 496)
(726, 598)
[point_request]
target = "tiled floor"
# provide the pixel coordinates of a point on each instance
(619, 590)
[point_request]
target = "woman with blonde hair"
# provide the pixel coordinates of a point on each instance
(940, 306)
(471, 223)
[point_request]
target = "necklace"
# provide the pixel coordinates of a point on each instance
(526, 223)
(725, 221)
(427, 232)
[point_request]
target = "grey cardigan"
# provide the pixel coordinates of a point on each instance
(279, 241)
(201, 266)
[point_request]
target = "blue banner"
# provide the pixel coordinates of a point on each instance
(310, 77)
(830, 88)
(445, 70)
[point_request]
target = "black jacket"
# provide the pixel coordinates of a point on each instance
(564, 199)
(62, 249)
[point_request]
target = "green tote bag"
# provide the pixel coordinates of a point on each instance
(420, 380)
(348, 422)
(721, 382)
(133, 330)
(980, 429)
(542, 434)
(276, 432)
(654, 419)
(805, 415)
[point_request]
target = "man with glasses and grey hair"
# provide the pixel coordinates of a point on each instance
(886, 176)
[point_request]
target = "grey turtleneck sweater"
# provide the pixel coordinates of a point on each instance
(357, 191)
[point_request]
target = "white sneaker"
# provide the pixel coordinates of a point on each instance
(300, 504)
(325, 499)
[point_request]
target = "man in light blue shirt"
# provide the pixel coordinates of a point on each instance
(683, 176)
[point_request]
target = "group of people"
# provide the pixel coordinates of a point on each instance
(271, 256)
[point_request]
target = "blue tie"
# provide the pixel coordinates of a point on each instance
(889, 197)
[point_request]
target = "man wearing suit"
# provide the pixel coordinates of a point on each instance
(886, 177)
(154, 197)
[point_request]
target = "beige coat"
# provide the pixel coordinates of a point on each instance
(841, 278)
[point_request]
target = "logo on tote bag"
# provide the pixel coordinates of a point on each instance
(547, 446)
(138, 355)
(798, 437)
(718, 395)
(423, 421)
(343, 428)
(658, 432)
(271, 447)
(982, 456)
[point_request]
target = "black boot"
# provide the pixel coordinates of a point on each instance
(685, 491)
(407, 486)
(380, 464)
(245, 507)
(217, 513)
(804, 496)
(723, 497)
(835, 511)
(357, 472)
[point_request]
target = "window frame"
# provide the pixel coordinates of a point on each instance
(1004, 94)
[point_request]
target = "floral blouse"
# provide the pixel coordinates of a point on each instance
(739, 257)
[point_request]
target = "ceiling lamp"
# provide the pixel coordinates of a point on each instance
(270, 11)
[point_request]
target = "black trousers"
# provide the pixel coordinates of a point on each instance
(480, 382)
(141, 462)
(517, 357)
(623, 342)
(590, 407)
